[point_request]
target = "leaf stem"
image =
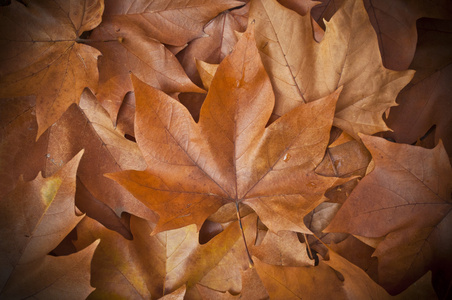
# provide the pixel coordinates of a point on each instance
(250, 260)
(307, 246)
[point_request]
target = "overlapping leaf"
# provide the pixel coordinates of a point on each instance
(229, 156)
(40, 53)
(405, 199)
(35, 217)
(395, 24)
(303, 70)
(425, 102)
(131, 39)
(153, 266)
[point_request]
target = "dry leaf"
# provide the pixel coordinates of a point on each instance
(41, 54)
(395, 24)
(425, 102)
(153, 266)
(35, 217)
(406, 198)
(303, 70)
(229, 156)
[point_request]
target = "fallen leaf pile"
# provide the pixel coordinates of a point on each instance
(226, 149)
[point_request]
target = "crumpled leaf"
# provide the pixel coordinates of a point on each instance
(406, 199)
(41, 54)
(229, 156)
(35, 217)
(303, 70)
(153, 266)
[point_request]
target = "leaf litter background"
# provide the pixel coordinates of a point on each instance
(293, 133)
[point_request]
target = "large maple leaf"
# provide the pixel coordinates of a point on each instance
(229, 156)
(303, 70)
(40, 53)
(34, 218)
(406, 200)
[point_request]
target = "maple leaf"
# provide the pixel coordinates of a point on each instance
(127, 48)
(408, 204)
(41, 54)
(35, 216)
(131, 39)
(229, 156)
(303, 70)
(153, 266)
(395, 24)
(88, 126)
(213, 48)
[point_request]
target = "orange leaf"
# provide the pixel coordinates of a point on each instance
(229, 156)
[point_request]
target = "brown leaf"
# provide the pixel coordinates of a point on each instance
(395, 24)
(252, 288)
(18, 130)
(183, 20)
(303, 282)
(282, 249)
(88, 126)
(218, 43)
(153, 266)
(229, 156)
(176, 295)
(406, 198)
(212, 48)
(127, 48)
(302, 7)
(41, 54)
(358, 254)
(425, 102)
(345, 160)
(35, 217)
(303, 70)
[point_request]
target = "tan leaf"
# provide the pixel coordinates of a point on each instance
(303, 70)
(395, 24)
(153, 266)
